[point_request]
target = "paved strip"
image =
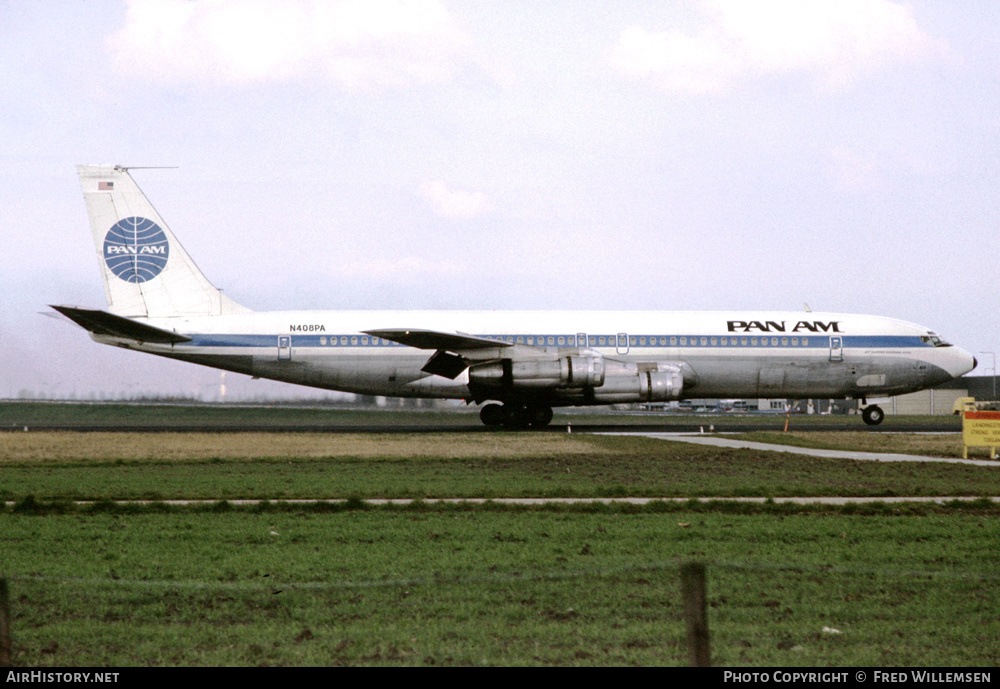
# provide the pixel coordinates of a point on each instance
(553, 501)
(813, 452)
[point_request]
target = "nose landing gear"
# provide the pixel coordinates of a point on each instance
(873, 415)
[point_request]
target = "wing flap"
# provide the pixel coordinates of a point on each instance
(104, 323)
(445, 364)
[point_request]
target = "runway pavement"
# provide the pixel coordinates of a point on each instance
(555, 501)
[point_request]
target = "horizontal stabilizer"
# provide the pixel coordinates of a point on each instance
(432, 339)
(104, 323)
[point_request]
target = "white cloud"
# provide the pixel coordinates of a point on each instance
(835, 42)
(454, 203)
(357, 43)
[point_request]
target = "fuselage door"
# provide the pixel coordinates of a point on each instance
(581, 340)
(284, 347)
(836, 349)
(622, 343)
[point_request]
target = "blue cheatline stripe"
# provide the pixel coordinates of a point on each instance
(202, 340)
(635, 341)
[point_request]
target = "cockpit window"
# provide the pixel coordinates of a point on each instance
(934, 340)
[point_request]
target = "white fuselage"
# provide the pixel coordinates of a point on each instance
(718, 354)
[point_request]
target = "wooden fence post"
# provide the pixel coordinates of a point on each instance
(5, 643)
(696, 612)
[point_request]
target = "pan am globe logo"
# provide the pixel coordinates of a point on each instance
(136, 249)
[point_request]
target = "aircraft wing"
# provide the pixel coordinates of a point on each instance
(443, 362)
(104, 323)
(433, 339)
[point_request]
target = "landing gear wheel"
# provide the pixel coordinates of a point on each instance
(873, 415)
(516, 417)
(539, 417)
(492, 415)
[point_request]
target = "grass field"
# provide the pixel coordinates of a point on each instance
(463, 586)
(159, 466)
(924, 444)
(351, 584)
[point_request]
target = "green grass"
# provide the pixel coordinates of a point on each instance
(351, 584)
(471, 586)
(295, 465)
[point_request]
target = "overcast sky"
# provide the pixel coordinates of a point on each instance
(675, 155)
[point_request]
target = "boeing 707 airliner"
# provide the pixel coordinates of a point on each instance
(521, 364)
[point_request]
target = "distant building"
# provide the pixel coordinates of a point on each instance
(941, 400)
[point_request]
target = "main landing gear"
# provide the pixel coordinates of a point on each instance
(873, 415)
(514, 415)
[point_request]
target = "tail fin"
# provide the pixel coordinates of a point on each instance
(145, 269)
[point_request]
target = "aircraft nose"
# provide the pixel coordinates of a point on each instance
(950, 363)
(961, 362)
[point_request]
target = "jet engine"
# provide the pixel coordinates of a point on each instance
(644, 383)
(583, 379)
(564, 372)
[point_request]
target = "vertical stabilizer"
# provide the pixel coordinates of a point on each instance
(145, 269)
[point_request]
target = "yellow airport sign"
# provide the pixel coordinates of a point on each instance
(981, 429)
